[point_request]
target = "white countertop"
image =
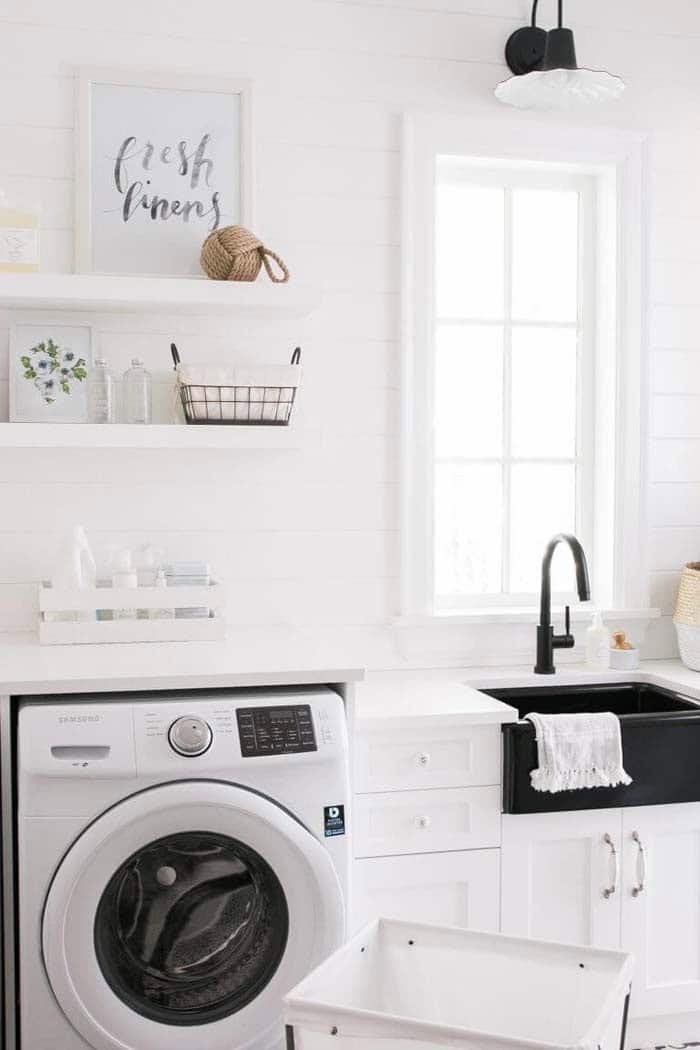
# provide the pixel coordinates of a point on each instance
(441, 695)
(424, 699)
(279, 656)
(285, 656)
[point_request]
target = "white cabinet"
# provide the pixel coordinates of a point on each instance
(562, 881)
(427, 821)
(561, 876)
(408, 759)
(427, 824)
(661, 906)
(454, 889)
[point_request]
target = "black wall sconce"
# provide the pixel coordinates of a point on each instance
(546, 72)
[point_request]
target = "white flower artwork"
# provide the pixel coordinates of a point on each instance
(49, 365)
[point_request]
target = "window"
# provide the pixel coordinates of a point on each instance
(514, 310)
(524, 340)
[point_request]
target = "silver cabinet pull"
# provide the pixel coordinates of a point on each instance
(641, 865)
(611, 890)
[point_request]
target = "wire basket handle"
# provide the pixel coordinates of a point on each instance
(296, 356)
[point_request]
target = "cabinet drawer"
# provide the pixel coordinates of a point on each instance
(405, 760)
(427, 821)
(450, 889)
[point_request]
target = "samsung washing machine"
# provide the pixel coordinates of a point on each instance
(183, 863)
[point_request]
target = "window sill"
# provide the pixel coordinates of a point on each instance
(523, 614)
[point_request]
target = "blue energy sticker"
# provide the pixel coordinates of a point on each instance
(333, 821)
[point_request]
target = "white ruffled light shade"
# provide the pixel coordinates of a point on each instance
(562, 89)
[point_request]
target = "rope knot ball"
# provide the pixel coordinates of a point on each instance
(235, 254)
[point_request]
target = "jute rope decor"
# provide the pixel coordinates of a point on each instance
(235, 254)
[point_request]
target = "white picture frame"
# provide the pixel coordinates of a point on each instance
(59, 352)
(162, 158)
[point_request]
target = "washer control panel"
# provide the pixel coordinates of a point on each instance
(276, 730)
(190, 736)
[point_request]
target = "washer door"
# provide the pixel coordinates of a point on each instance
(193, 905)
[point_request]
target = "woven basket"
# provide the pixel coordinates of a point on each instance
(687, 616)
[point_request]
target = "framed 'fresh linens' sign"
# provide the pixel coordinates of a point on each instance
(162, 161)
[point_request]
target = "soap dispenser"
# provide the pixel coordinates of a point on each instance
(598, 644)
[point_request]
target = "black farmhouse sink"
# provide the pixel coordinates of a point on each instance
(660, 744)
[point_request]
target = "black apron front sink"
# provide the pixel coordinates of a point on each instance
(660, 746)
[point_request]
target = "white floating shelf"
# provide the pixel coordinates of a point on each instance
(261, 299)
(123, 435)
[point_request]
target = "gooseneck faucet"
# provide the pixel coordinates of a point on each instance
(547, 640)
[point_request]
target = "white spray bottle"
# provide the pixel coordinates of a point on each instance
(74, 569)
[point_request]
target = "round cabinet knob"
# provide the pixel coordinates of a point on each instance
(190, 736)
(423, 823)
(423, 759)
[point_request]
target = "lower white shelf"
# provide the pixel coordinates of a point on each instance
(156, 435)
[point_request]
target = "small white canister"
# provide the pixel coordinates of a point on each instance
(623, 655)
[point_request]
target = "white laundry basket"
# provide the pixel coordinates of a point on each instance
(408, 986)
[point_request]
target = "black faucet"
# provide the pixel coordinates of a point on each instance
(547, 640)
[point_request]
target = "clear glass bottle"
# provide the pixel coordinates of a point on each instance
(137, 393)
(101, 394)
(165, 613)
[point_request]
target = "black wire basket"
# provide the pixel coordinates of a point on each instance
(206, 404)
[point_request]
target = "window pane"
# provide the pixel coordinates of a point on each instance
(543, 502)
(545, 255)
(470, 252)
(469, 391)
(468, 515)
(544, 392)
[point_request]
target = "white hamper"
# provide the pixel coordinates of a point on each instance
(408, 986)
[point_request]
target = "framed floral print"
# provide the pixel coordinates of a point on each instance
(49, 366)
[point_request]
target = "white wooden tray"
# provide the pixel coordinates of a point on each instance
(93, 631)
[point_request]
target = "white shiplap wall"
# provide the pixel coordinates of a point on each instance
(310, 538)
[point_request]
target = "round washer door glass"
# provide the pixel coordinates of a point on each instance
(191, 928)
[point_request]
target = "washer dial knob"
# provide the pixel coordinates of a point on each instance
(190, 736)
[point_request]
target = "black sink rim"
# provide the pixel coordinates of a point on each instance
(689, 713)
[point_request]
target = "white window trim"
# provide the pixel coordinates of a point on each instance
(619, 161)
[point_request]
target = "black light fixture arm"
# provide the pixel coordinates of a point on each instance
(560, 5)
